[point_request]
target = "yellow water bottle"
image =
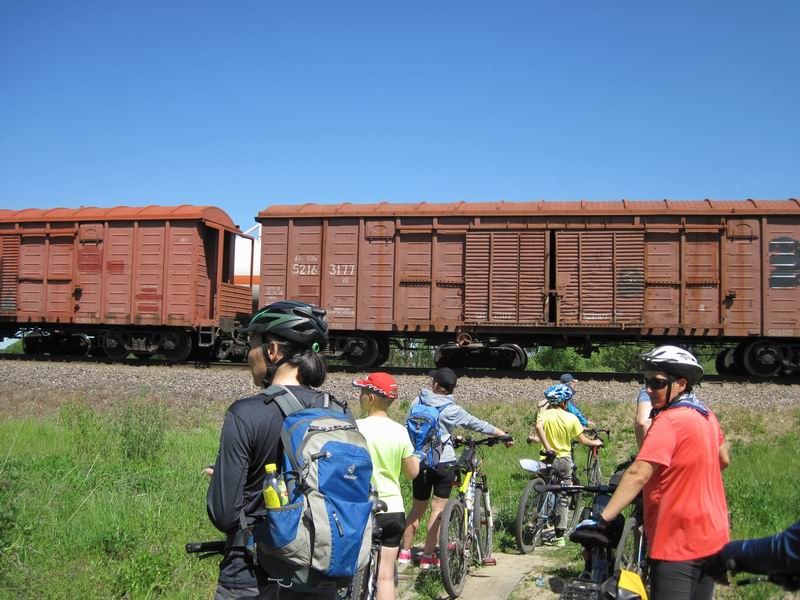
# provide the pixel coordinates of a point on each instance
(272, 496)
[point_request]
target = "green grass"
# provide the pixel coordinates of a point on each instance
(100, 504)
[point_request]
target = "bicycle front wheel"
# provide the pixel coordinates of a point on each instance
(595, 472)
(453, 547)
(528, 526)
(365, 581)
(482, 523)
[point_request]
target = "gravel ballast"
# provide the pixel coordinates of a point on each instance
(29, 388)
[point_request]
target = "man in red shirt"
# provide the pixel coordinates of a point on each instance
(679, 468)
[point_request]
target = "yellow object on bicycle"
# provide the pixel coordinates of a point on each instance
(630, 586)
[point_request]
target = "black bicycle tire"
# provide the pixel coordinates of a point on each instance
(620, 560)
(575, 517)
(478, 510)
(519, 523)
(453, 586)
(360, 585)
(596, 474)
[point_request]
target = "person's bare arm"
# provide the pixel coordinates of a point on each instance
(724, 457)
(632, 482)
(589, 442)
(543, 437)
(642, 422)
(410, 467)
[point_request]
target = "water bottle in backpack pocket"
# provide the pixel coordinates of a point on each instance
(323, 535)
(423, 429)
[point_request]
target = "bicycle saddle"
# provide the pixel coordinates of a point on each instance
(534, 466)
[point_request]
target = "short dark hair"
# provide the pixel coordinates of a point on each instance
(445, 377)
(312, 369)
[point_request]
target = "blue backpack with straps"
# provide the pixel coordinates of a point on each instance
(423, 429)
(322, 536)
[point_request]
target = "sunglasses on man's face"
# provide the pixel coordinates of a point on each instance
(656, 384)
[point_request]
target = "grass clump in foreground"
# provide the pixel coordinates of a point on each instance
(100, 504)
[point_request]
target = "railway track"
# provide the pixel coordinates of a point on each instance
(411, 371)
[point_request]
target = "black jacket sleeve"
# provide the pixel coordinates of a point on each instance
(226, 492)
(778, 554)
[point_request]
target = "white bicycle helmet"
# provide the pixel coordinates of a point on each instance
(675, 361)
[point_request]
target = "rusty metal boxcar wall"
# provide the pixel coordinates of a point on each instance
(526, 271)
(151, 267)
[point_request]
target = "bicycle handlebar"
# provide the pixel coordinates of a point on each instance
(488, 441)
(215, 547)
(541, 487)
(596, 431)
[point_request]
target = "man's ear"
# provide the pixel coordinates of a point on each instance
(273, 349)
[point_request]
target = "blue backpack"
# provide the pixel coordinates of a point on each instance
(322, 536)
(423, 429)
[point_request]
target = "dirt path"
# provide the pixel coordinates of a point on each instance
(499, 582)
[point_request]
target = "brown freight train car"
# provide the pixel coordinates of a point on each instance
(486, 279)
(150, 280)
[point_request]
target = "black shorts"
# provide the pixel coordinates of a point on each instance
(392, 527)
(440, 480)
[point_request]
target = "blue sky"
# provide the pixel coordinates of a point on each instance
(248, 104)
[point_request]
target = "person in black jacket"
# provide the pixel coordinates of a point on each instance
(777, 555)
(285, 342)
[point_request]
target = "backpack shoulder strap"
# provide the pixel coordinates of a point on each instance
(441, 407)
(284, 398)
(327, 399)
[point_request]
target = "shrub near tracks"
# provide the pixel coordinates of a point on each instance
(84, 513)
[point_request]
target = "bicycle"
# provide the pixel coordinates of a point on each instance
(538, 511)
(599, 545)
(365, 582)
(466, 529)
(364, 585)
(593, 470)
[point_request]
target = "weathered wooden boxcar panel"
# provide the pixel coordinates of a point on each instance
(506, 277)
(781, 275)
(118, 269)
(148, 276)
(741, 304)
(89, 274)
(9, 274)
(305, 261)
(447, 304)
(274, 261)
(599, 278)
(339, 272)
(376, 281)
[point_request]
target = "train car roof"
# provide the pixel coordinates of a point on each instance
(183, 212)
(577, 207)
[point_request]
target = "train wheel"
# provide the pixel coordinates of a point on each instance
(383, 352)
(726, 362)
(79, 344)
(364, 352)
(176, 346)
(34, 343)
(513, 358)
(114, 346)
(763, 359)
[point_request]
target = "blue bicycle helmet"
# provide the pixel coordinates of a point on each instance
(558, 394)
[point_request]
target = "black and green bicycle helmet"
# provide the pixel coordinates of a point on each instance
(296, 322)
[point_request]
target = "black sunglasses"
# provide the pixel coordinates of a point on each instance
(657, 384)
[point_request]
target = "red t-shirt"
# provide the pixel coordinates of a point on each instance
(685, 512)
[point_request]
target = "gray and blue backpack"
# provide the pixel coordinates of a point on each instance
(422, 425)
(322, 536)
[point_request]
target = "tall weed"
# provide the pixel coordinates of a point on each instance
(140, 431)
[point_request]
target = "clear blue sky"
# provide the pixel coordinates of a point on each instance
(250, 103)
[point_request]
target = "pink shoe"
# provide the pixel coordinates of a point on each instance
(428, 562)
(404, 557)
